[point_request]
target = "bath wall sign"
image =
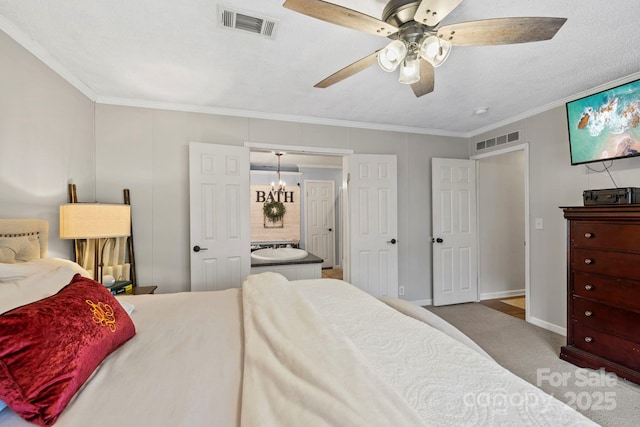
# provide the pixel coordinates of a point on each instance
(274, 196)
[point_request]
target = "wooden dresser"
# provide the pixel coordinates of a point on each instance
(603, 313)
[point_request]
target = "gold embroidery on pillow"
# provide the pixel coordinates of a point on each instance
(103, 314)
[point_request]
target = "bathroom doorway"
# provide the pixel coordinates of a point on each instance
(303, 171)
(368, 216)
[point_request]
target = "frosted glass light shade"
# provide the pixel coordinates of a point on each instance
(94, 221)
(410, 71)
(392, 55)
(435, 50)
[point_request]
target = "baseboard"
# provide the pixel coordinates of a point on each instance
(548, 326)
(422, 302)
(503, 294)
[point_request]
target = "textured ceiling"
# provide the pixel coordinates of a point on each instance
(174, 55)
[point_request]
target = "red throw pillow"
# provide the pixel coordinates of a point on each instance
(50, 347)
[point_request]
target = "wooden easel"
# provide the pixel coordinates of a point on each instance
(131, 253)
(80, 244)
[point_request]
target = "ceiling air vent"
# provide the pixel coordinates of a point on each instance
(235, 19)
(499, 140)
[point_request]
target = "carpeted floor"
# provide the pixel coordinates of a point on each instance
(532, 353)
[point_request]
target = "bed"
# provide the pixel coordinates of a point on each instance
(274, 353)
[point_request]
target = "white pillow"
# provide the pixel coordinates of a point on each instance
(2, 405)
(59, 262)
(11, 272)
(19, 249)
(28, 282)
(25, 290)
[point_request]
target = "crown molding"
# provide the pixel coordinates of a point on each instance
(272, 116)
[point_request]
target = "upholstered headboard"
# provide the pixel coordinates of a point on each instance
(33, 229)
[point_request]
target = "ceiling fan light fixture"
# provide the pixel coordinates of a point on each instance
(435, 50)
(410, 71)
(391, 56)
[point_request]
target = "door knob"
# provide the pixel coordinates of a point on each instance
(392, 241)
(197, 248)
(438, 240)
(330, 229)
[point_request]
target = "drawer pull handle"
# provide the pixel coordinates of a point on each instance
(588, 261)
(588, 235)
(588, 339)
(588, 287)
(588, 313)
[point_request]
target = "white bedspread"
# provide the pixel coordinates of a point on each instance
(325, 353)
(299, 372)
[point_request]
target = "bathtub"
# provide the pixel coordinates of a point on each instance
(279, 254)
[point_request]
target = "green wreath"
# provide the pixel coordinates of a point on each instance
(274, 211)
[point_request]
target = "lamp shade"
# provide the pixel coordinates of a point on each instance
(94, 221)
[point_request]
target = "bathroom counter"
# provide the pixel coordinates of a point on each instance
(309, 267)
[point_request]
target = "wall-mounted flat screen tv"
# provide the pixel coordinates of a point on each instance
(606, 125)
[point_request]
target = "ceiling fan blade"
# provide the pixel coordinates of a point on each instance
(339, 15)
(427, 79)
(501, 31)
(431, 12)
(349, 70)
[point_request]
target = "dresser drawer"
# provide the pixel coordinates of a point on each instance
(618, 350)
(600, 235)
(618, 264)
(606, 318)
(619, 292)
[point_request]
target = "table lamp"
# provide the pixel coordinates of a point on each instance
(94, 221)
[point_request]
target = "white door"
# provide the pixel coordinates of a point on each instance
(453, 205)
(373, 223)
(320, 220)
(219, 216)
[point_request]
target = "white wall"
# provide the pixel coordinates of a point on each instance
(146, 150)
(501, 228)
(46, 141)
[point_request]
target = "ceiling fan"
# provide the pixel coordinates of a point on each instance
(418, 44)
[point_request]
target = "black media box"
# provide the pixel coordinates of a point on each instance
(611, 196)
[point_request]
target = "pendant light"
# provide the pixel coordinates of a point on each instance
(281, 188)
